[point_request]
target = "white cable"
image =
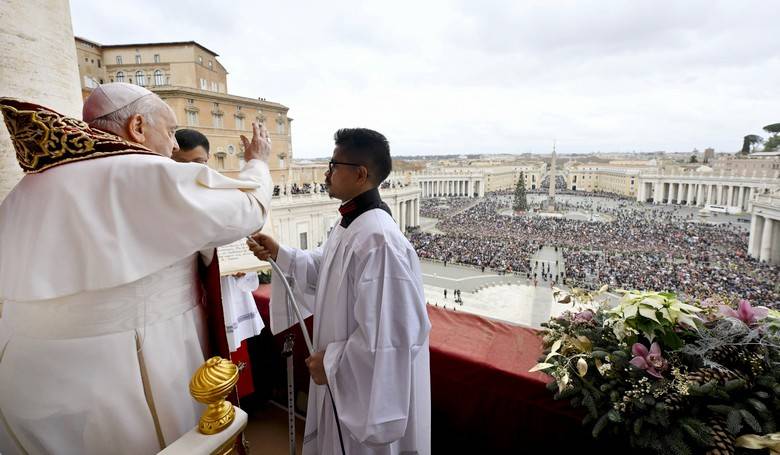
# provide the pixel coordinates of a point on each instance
(297, 310)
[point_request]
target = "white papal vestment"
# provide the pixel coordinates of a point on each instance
(102, 323)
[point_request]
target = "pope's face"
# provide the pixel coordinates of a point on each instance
(160, 134)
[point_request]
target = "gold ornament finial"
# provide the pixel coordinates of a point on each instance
(210, 385)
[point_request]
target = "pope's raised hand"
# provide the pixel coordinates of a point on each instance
(263, 246)
(259, 148)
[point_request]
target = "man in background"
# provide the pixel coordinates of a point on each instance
(241, 318)
(193, 147)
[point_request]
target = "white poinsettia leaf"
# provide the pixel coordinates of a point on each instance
(630, 310)
(540, 367)
(649, 313)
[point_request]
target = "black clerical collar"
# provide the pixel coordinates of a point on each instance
(361, 204)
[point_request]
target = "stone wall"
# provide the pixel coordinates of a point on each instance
(37, 63)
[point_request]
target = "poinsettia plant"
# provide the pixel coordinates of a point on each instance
(665, 375)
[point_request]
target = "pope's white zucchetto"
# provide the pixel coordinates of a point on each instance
(109, 98)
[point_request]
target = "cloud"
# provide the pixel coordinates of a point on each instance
(484, 77)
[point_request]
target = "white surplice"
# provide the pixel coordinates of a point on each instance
(364, 287)
(102, 323)
(239, 310)
(242, 319)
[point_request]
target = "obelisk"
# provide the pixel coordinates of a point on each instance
(551, 179)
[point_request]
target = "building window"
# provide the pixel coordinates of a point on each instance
(220, 162)
(140, 78)
(203, 84)
(86, 59)
(98, 63)
(89, 82)
(213, 86)
(239, 123)
(280, 126)
(190, 101)
(210, 65)
(156, 58)
(118, 59)
(303, 240)
(138, 59)
(217, 120)
(192, 118)
(200, 60)
(158, 78)
(120, 76)
(238, 108)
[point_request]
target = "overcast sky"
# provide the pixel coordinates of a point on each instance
(484, 76)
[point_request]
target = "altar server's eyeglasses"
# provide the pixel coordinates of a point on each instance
(333, 163)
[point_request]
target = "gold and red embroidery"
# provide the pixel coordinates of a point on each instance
(44, 138)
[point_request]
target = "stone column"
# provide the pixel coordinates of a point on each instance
(774, 253)
(719, 194)
(756, 230)
(402, 215)
(37, 64)
(701, 196)
(766, 241)
(730, 196)
(751, 193)
(740, 198)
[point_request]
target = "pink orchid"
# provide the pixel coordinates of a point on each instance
(584, 316)
(651, 361)
(745, 312)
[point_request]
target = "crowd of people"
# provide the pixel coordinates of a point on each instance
(306, 188)
(443, 207)
(644, 247)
